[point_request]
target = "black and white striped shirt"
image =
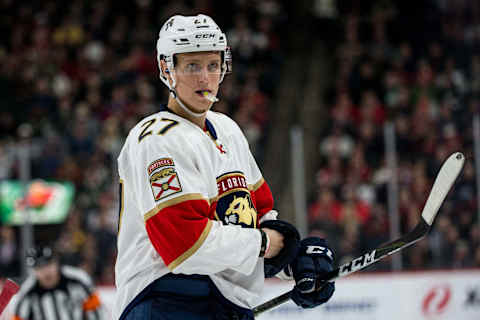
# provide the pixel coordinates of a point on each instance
(72, 299)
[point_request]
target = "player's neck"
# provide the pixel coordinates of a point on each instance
(178, 110)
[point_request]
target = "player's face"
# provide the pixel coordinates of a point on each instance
(48, 275)
(195, 73)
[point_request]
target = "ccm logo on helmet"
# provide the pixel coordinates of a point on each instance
(205, 36)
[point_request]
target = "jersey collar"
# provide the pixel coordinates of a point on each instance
(208, 124)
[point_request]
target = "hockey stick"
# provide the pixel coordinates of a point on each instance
(9, 289)
(443, 182)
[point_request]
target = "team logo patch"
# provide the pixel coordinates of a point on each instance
(235, 205)
(159, 163)
(163, 178)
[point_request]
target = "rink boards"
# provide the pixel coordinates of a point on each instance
(441, 295)
(434, 295)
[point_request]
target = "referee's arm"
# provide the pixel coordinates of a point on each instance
(23, 307)
(92, 307)
(22, 310)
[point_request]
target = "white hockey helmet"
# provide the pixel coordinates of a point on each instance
(181, 34)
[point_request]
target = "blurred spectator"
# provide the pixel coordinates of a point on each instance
(9, 260)
(7, 159)
(338, 142)
(477, 257)
(324, 207)
(71, 239)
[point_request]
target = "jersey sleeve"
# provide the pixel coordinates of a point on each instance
(172, 195)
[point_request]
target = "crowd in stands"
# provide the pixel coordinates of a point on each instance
(418, 69)
(76, 76)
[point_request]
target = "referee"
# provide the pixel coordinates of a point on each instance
(55, 292)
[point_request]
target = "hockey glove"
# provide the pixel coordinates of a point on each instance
(313, 261)
(291, 240)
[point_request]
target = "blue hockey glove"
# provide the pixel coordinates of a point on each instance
(314, 259)
(291, 243)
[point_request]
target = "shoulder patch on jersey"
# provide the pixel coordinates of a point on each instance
(234, 202)
(163, 178)
(159, 163)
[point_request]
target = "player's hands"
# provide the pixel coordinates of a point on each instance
(276, 242)
(284, 248)
(313, 261)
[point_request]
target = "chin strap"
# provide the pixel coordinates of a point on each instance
(184, 107)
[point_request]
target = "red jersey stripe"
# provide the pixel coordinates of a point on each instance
(258, 184)
(263, 198)
(172, 202)
(178, 228)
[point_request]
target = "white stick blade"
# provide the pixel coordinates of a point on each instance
(443, 182)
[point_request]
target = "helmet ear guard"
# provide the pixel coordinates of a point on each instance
(164, 72)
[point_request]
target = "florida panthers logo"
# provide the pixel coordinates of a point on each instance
(241, 211)
(235, 205)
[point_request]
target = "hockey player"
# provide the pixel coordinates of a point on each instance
(53, 291)
(197, 229)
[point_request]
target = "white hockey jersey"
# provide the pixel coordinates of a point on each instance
(190, 202)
